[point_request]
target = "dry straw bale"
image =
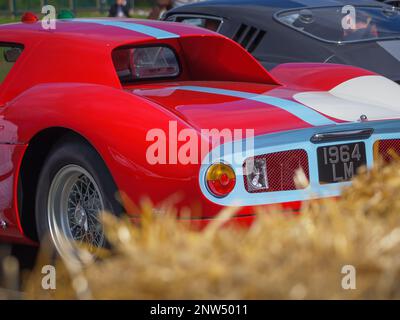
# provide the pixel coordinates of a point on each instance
(280, 256)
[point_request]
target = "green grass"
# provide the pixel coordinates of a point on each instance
(7, 20)
(5, 67)
(4, 70)
(96, 14)
(82, 14)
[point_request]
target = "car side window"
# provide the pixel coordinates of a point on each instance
(9, 55)
(209, 23)
(326, 24)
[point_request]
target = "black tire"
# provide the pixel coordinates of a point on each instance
(73, 151)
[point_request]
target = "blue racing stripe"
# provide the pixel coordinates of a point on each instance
(301, 111)
(147, 30)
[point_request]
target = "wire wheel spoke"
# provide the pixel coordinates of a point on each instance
(74, 206)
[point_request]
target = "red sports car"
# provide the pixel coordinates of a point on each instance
(160, 109)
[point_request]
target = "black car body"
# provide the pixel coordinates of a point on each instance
(282, 31)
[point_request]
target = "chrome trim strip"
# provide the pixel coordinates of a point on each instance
(341, 135)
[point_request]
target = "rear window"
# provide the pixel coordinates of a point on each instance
(368, 23)
(9, 54)
(144, 63)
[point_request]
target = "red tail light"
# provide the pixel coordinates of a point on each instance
(221, 179)
(387, 150)
(275, 171)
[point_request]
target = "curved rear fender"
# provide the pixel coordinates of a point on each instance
(117, 124)
(316, 76)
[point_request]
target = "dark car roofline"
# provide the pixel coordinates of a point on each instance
(274, 11)
(273, 5)
(373, 5)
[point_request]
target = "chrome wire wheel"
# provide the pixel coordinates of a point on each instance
(73, 206)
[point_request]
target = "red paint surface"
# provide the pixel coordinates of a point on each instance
(65, 78)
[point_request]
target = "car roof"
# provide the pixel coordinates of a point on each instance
(271, 5)
(99, 31)
(287, 3)
(80, 51)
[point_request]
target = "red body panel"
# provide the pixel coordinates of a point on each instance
(10, 159)
(228, 112)
(318, 76)
(66, 79)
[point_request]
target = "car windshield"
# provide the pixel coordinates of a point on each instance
(345, 24)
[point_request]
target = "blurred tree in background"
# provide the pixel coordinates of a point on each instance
(8, 7)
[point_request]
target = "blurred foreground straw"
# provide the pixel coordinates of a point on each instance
(9, 275)
(280, 256)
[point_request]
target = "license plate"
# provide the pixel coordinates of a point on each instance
(339, 163)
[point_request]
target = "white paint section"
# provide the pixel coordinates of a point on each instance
(374, 96)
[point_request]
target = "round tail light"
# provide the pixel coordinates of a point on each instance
(221, 179)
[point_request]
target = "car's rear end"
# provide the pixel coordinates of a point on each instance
(266, 147)
(272, 150)
(256, 142)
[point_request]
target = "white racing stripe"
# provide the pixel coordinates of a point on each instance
(374, 96)
(302, 112)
